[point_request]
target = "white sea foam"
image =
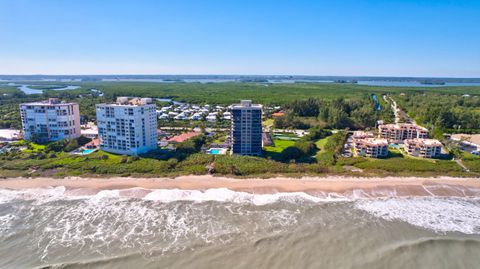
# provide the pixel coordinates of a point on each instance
(435, 213)
(159, 221)
(45, 195)
(226, 195)
(37, 194)
(7, 196)
(6, 222)
(144, 225)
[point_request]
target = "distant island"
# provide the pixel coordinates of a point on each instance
(345, 81)
(432, 82)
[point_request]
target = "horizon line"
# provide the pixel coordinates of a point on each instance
(246, 75)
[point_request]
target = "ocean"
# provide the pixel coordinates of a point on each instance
(218, 228)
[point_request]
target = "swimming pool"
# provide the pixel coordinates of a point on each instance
(217, 151)
(86, 151)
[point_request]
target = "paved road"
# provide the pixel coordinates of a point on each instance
(397, 111)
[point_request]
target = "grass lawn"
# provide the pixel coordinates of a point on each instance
(274, 152)
(220, 139)
(33, 147)
(324, 157)
(267, 122)
(321, 143)
(471, 161)
(280, 145)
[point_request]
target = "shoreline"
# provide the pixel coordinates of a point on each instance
(347, 186)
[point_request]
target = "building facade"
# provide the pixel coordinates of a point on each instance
(424, 148)
(50, 120)
(128, 126)
(247, 128)
(370, 147)
(396, 133)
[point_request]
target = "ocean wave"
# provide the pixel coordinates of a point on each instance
(440, 214)
(224, 195)
(153, 223)
(152, 228)
(46, 195)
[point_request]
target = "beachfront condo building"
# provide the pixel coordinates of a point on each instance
(366, 145)
(50, 120)
(128, 126)
(246, 128)
(424, 148)
(396, 133)
(362, 135)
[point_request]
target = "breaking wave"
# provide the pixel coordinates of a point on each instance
(441, 214)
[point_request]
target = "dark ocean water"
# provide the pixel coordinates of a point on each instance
(55, 228)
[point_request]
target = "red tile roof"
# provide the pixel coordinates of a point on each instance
(183, 137)
(93, 143)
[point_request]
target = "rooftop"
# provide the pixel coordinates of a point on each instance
(374, 141)
(362, 134)
(9, 134)
(246, 104)
(403, 125)
(125, 101)
(424, 141)
(50, 101)
(472, 138)
(183, 137)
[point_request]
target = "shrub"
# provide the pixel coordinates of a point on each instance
(326, 158)
(291, 153)
(192, 145)
(316, 133)
(307, 147)
(72, 145)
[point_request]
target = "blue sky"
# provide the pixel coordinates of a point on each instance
(378, 38)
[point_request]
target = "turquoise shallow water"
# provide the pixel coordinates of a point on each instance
(87, 151)
(214, 151)
(218, 228)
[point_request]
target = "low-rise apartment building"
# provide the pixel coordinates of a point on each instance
(50, 120)
(128, 126)
(370, 147)
(396, 133)
(424, 148)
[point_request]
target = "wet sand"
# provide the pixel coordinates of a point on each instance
(350, 186)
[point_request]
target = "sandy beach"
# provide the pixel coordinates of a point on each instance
(369, 187)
